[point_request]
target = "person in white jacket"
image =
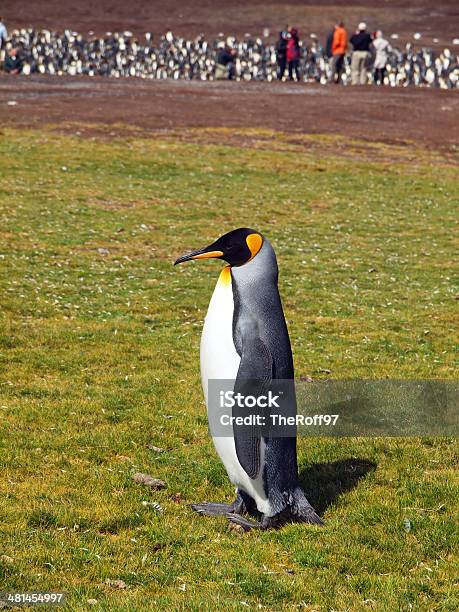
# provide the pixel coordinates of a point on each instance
(382, 48)
(3, 34)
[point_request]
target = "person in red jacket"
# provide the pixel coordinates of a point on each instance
(339, 46)
(293, 53)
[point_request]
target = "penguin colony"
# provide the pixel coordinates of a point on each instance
(122, 55)
(245, 340)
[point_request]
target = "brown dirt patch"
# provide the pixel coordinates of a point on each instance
(102, 106)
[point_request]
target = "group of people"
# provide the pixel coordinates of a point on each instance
(121, 54)
(288, 54)
(362, 44)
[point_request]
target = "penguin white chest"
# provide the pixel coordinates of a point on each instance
(220, 360)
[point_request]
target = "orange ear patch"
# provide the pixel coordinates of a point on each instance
(254, 242)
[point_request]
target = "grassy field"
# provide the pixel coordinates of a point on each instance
(99, 346)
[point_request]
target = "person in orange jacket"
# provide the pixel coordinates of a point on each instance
(339, 46)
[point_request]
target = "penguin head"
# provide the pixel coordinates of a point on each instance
(236, 248)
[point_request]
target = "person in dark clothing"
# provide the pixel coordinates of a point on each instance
(361, 43)
(225, 63)
(13, 62)
(329, 44)
(361, 40)
(281, 54)
(293, 53)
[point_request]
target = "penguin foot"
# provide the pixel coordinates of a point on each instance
(274, 522)
(267, 522)
(309, 516)
(301, 509)
(213, 508)
(247, 525)
(242, 503)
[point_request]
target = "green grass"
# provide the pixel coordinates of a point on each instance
(99, 345)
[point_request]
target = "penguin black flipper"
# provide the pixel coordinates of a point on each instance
(254, 377)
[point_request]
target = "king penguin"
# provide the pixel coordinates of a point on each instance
(245, 337)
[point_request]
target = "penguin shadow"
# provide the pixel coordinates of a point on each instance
(325, 483)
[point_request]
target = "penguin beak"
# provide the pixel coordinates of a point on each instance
(206, 253)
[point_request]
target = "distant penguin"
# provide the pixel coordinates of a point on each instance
(245, 337)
